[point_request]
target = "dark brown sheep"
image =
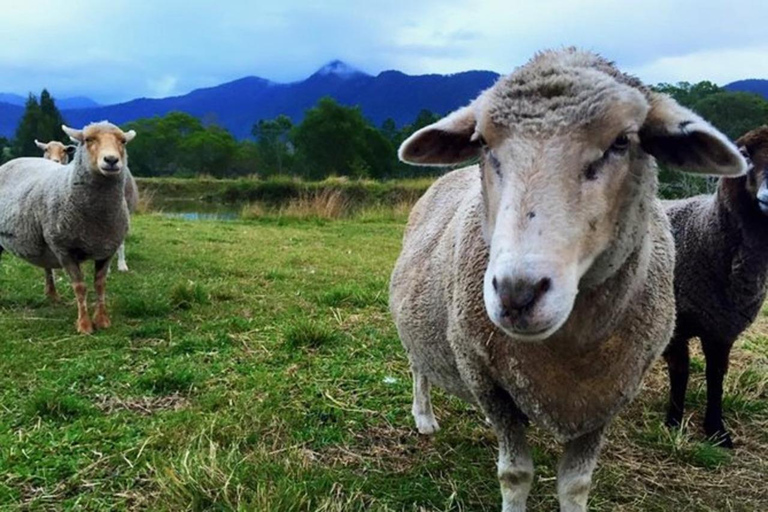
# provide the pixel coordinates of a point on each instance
(720, 277)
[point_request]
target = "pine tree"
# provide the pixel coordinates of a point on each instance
(26, 132)
(41, 121)
(49, 127)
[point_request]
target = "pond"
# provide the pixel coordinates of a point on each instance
(196, 210)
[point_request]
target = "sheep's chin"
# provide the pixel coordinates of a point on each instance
(527, 337)
(110, 172)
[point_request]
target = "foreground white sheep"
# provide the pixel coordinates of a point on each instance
(59, 153)
(56, 217)
(539, 284)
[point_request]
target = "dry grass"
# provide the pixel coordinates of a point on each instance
(146, 201)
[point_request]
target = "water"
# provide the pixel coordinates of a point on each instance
(197, 210)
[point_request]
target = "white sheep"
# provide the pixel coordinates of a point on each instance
(56, 151)
(59, 218)
(59, 153)
(538, 285)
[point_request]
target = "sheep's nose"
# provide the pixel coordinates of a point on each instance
(520, 294)
(111, 160)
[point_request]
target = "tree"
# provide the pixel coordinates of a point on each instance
(733, 113)
(26, 132)
(49, 127)
(5, 150)
(211, 151)
(157, 150)
(40, 121)
(688, 94)
(337, 140)
(272, 138)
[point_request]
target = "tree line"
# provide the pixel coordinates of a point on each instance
(331, 140)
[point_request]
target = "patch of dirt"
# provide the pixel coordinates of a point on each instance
(144, 405)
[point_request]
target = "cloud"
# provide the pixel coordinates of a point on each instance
(149, 48)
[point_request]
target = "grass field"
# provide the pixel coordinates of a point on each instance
(253, 365)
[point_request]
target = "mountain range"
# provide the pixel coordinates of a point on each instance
(237, 105)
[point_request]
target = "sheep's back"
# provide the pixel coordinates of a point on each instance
(421, 287)
(131, 191)
(30, 190)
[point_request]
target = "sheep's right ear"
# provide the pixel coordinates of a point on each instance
(75, 135)
(679, 138)
(40, 145)
(129, 135)
(448, 141)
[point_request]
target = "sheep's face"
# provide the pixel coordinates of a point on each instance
(55, 151)
(754, 146)
(552, 201)
(104, 146)
(563, 158)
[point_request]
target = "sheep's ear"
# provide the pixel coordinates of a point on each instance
(70, 149)
(75, 135)
(40, 145)
(448, 141)
(129, 135)
(679, 138)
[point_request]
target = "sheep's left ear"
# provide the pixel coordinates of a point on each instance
(679, 138)
(40, 145)
(70, 149)
(75, 135)
(129, 135)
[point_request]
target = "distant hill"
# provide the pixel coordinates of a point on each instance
(754, 85)
(62, 103)
(239, 104)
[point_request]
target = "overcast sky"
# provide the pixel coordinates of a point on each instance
(117, 50)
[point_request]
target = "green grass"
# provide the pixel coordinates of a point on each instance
(254, 366)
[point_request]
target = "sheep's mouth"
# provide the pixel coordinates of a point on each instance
(110, 169)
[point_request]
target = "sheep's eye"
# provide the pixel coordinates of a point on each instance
(481, 140)
(621, 143)
(89, 140)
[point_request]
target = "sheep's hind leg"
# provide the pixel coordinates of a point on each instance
(84, 324)
(574, 476)
(716, 353)
(678, 363)
(122, 266)
(101, 318)
(422, 405)
(50, 286)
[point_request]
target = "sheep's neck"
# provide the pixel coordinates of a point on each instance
(742, 230)
(96, 195)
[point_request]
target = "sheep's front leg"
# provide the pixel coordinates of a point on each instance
(101, 318)
(574, 476)
(422, 405)
(122, 266)
(515, 464)
(83, 325)
(50, 286)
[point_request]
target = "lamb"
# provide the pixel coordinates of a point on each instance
(720, 278)
(59, 218)
(539, 284)
(59, 153)
(56, 151)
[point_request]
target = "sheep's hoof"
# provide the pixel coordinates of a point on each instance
(102, 321)
(721, 438)
(84, 326)
(426, 424)
(54, 297)
(122, 267)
